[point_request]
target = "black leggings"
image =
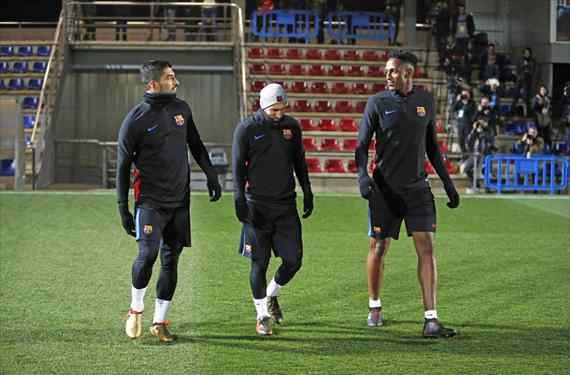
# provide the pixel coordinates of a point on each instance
(258, 276)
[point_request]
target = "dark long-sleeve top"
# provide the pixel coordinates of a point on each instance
(404, 127)
(156, 139)
(264, 156)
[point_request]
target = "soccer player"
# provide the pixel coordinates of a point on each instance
(402, 118)
(267, 148)
(155, 137)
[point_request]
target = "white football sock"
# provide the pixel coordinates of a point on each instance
(430, 314)
(374, 303)
(261, 308)
(137, 299)
(273, 288)
(161, 308)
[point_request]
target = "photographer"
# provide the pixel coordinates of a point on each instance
(531, 143)
(543, 113)
(464, 108)
(480, 142)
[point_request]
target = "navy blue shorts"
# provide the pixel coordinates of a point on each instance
(172, 225)
(274, 228)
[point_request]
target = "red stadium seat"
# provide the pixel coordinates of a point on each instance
(360, 88)
(327, 125)
(335, 71)
(359, 107)
(348, 125)
(301, 106)
(256, 86)
(276, 69)
(257, 69)
(255, 106)
(350, 55)
(385, 56)
(372, 145)
(308, 125)
(313, 54)
(296, 70)
(419, 73)
(310, 144)
(319, 87)
(343, 106)
(316, 70)
(352, 167)
(443, 147)
(428, 167)
(370, 56)
(298, 87)
(451, 167)
(330, 145)
(375, 71)
(334, 166)
(355, 71)
(322, 106)
(349, 144)
(294, 54)
(274, 53)
(332, 54)
(339, 88)
(255, 53)
(314, 165)
(439, 127)
(377, 87)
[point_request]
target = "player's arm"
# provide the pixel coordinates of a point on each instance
(126, 145)
(366, 129)
(436, 159)
(201, 156)
(239, 171)
(302, 172)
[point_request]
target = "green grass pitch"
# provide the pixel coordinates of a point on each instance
(504, 267)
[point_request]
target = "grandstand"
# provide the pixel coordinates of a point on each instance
(74, 86)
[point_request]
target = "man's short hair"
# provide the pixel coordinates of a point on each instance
(152, 70)
(406, 58)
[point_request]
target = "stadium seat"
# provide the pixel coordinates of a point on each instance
(2, 85)
(350, 55)
(313, 54)
(6, 51)
(4, 67)
(28, 121)
(348, 125)
(370, 56)
(274, 53)
(428, 167)
(20, 67)
(294, 54)
(451, 167)
(505, 109)
(330, 145)
(16, 84)
(421, 87)
(355, 71)
(385, 56)
(377, 87)
(255, 53)
(39, 67)
(255, 106)
(343, 106)
(276, 69)
(419, 73)
(7, 167)
(352, 167)
(327, 125)
(359, 107)
(256, 86)
(332, 54)
(30, 102)
(257, 69)
(334, 166)
(35, 84)
(349, 144)
(298, 87)
(310, 144)
(323, 106)
(335, 71)
(308, 125)
(439, 127)
(25, 51)
(43, 51)
(316, 70)
(319, 87)
(339, 88)
(360, 88)
(296, 70)
(314, 165)
(443, 147)
(301, 106)
(375, 71)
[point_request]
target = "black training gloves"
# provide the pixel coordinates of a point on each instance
(366, 184)
(214, 188)
(307, 205)
(242, 210)
(127, 218)
(452, 195)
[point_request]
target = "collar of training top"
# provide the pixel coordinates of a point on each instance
(159, 99)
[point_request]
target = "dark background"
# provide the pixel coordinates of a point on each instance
(30, 10)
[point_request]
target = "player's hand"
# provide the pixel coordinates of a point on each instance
(242, 211)
(307, 205)
(127, 219)
(452, 195)
(214, 188)
(366, 184)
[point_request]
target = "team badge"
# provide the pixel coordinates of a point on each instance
(287, 134)
(248, 248)
(179, 120)
(421, 111)
(147, 229)
(377, 229)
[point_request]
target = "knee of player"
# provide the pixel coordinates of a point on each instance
(294, 264)
(378, 247)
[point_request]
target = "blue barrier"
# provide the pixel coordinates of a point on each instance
(517, 172)
(300, 24)
(343, 26)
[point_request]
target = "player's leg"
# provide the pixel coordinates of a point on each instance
(375, 271)
(260, 254)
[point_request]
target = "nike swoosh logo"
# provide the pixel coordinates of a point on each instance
(390, 112)
(152, 129)
(257, 137)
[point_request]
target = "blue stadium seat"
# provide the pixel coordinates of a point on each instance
(16, 84)
(30, 102)
(517, 148)
(20, 67)
(505, 109)
(39, 67)
(29, 121)
(35, 84)
(43, 51)
(2, 85)
(4, 67)
(7, 167)
(6, 51)
(25, 51)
